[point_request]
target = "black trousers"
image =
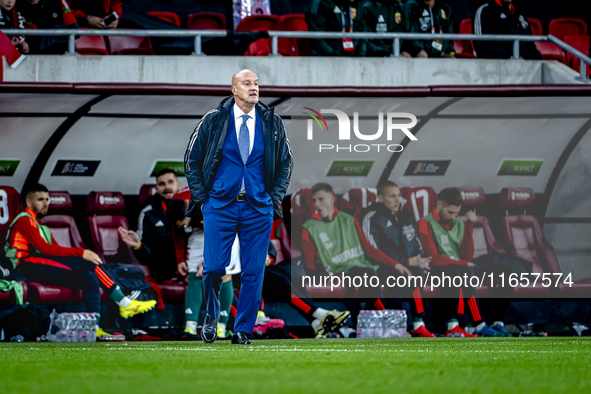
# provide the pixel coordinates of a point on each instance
(71, 272)
(277, 287)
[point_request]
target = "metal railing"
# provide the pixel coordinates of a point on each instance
(275, 35)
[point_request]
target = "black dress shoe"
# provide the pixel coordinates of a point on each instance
(209, 332)
(240, 339)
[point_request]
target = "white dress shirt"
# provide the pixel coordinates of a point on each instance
(250, 123)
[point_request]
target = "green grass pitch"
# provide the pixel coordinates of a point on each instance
(363, 366)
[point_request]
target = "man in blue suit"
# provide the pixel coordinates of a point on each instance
(238, 165)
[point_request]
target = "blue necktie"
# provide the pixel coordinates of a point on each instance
(244, 145)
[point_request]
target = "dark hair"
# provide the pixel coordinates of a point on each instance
(176, 210)
(451, 196)
(384, 185)
(321, 186)
(164, 171)
(32, 188)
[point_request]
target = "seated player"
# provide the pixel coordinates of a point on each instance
(277, 287)
(334, 242)
(32, 249)
(188, 243)
(392, 230)
(153, 243)
(450, 244)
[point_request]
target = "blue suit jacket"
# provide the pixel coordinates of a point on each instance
(226, 184)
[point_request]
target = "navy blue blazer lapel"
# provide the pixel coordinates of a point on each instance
(258, 138)
(232, 132)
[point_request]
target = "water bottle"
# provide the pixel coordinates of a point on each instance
(83, 331)
(71, 327)
(374, 323)
(57, 332)
(379, 324)
(361, 324)
(529, 332)
(93, 326)
(401, 320)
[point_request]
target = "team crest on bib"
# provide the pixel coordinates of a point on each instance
(443, 15)
(445, 243)
(398, 18)
(408, 232)
(325, 240)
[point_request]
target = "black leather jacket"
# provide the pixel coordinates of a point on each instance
(204, 154)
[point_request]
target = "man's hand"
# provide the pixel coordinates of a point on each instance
(402, 269)
(23, 47)
(423, 54)
(96, 22)
(183, 268)
(424, 262)
(129, 237)
(199, 273)
(471, 216)
(113, 24)
(94, 258)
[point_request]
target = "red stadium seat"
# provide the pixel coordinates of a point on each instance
(10, 207)
(465, 48)
(524, 237)
(282, 243)
(130, 45)
(355, 200)
(62, 225)
(8, 297)
(258, 23)
(52, 295)
(484, 240)
(551, 51)
(294, 22)
(91, 45)
(146, 192)
(260, 47)
(206, 21)
(302, 209)
(562, 27)
(579, 42)
(421, 201)
(536, 26)
(167, 16)
(106, 210)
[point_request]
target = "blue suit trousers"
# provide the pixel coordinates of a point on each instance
(254, 232)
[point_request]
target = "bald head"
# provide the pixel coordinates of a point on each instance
(245, 88)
